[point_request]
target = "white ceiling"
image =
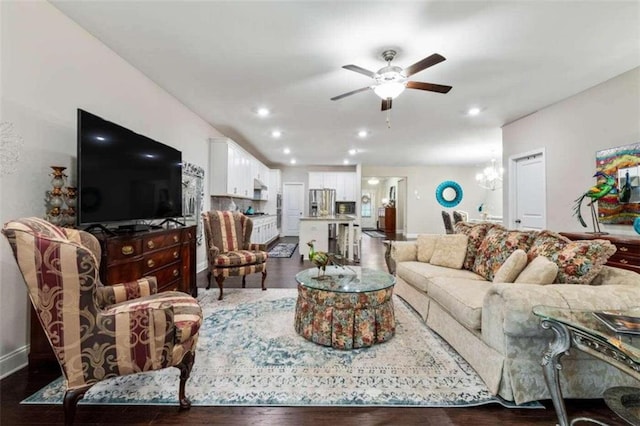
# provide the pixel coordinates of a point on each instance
(509, 58)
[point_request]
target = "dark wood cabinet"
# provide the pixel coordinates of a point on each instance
(387, 219)
(627, 255)
(167, 254)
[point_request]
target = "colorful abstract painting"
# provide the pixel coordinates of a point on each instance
(621, 206)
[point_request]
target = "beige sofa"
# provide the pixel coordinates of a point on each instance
(491, 324)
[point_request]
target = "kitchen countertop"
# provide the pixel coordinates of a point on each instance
(338, 217)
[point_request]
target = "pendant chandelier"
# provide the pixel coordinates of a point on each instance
(491, 177)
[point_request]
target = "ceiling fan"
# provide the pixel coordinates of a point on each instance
(390, 81)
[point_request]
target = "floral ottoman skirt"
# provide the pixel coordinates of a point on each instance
(345, 320)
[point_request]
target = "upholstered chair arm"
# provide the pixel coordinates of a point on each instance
(256, 246)
(403, 251)
(142, 335)
(117, 293)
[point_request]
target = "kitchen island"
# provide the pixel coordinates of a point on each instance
(317, 228)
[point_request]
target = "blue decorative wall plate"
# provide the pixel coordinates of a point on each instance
(440, 193)
(636, 225)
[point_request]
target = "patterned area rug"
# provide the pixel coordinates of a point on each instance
(375, 234)
(249, 354)
(283, 250)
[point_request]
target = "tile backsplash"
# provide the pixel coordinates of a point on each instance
(242, 204)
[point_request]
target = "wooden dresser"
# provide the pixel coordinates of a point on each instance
(167, 254)
(626, 257)
(387, 219)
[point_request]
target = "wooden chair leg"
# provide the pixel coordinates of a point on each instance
(208, 280)
(185, 370)
(264, 277)
(220, 280)
(71, 398)
(244, 281)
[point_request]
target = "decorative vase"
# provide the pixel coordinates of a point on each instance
(56, 198)
(58, 180)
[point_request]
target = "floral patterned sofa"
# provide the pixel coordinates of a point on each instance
(476, 288)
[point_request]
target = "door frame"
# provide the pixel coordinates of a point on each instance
(513, 160)
(284, 203)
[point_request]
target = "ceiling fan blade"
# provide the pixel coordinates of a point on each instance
(360, 70)
(439, 88)
(386, 104)
(353, 92)
(423, 64)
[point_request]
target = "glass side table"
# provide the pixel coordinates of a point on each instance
(583, 331)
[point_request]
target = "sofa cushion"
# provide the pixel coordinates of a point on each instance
(450, 251)
(512, 267)
(578, 261)
(426, 244)
(420, 274)
(497, 246)
(476, 233)
(539, 271)
(460, 297)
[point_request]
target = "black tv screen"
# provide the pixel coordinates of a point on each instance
(124, 176)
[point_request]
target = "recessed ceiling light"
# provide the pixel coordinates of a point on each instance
(101, 138)
(262, 112)
(286, 151)
(345, 161)
(352, 152)
(473, 111)
(276, 133)
(363, 133)
(293, 161)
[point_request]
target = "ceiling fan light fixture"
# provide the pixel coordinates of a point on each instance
(390, 90)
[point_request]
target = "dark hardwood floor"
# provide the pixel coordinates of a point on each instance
(23, 383)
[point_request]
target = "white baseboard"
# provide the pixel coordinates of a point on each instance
(201, 266)
(14, 361)
(412, 236)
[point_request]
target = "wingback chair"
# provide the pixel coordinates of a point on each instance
(229, 250)
(99, 332)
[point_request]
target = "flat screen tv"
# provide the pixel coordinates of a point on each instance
(124, 176)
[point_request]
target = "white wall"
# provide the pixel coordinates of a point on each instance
(50, 67)
(571, 131)
(423, 211)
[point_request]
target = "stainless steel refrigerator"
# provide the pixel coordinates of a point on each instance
(322, 202)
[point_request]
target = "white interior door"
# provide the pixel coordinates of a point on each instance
(528, 191)
(292, 208)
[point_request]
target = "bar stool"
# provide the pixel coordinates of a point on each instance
(344, 245)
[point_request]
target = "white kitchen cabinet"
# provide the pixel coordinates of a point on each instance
(343, 182)
(264, 229)
(233, 170)
(226, 162)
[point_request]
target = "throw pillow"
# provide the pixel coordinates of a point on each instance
(578, 261)
(426, 244)
(476, 233)
(450, 251)
(510, 269)
(539, 271)
(496, 248)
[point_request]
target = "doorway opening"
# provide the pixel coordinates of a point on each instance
(383, 203)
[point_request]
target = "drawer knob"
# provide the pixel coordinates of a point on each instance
(150, 244)
(625, 261)
(176, 254)
(127, 250)
(150, 263)
(175, 239)
(623, 249)
(176, 272)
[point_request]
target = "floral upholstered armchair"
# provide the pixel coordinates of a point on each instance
(229, 250)
(98, 332)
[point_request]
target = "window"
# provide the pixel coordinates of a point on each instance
(365, 206)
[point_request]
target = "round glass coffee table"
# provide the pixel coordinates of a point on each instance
(350, 307)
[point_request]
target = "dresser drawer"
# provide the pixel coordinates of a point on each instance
(156, 241)
(627, 250)
(123, 249)
(174, 285)
(160, 258)
(167, 274)
(123, 272)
